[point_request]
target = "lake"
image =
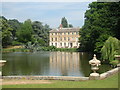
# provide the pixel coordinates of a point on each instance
(49, 64)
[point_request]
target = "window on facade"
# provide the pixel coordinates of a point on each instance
(68, 38)
(55, 44)
(52, 44)
(72, 33)
(64, 44)
(55, 39)
(60, 44)
(64, 38)
(61, 38)
(52, 39)
(68, 33)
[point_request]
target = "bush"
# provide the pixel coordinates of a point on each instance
(16, 43)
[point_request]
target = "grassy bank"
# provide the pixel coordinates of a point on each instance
(49, 48)
(111, 82)
(16, 50)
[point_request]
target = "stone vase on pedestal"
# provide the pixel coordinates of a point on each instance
(94, 66)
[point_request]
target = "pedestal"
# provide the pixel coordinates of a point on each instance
(94, 76)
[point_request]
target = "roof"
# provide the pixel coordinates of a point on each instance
(65, 30)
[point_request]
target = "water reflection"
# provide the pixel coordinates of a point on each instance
(65, 64)
(48, 64)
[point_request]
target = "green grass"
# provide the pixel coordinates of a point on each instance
(16, 50)
(111, 82)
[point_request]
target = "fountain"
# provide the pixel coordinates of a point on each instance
(94, 66)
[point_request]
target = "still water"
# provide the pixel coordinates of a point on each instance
(48, 63)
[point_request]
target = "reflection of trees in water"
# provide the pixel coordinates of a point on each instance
(65, 63)
(85, 67)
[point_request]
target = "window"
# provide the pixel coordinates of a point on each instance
(52, 39)
(61, 38)
(52, 44)
(65, 44)
(64, 38)
(55, 39)
(72, 33)
(60, 44)
(68, 33)
(68, 38)
(55, 44)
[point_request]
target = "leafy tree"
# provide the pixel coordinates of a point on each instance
(101, 21)
(41, 33)
(6, 31)
(110, 49)
(15, 25)
(70, 26)
(25, 34)
(64, 22)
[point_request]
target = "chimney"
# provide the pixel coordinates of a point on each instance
(60, 27)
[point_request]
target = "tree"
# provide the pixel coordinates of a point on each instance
(6, 31)
(15, 25)
(64, 22)
(41, 33)
(70, 26)
(101, 21)
(25, 34)
(110, 49)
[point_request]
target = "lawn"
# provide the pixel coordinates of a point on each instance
(110, 82)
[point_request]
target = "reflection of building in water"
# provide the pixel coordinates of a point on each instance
(65, 63)
(64, 37)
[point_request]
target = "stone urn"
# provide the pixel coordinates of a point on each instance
(94, 67)
(2, 63)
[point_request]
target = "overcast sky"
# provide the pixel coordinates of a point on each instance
(47, 12)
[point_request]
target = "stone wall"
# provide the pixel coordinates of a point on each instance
(109, 73)
(68, 78)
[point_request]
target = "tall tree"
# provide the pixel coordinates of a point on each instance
(64, 22)
(41, 32)
(6, 31)
(25, 34)
(70, 26)
(15, 25)
(101, 21)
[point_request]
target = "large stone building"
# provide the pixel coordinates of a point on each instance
(64, 37)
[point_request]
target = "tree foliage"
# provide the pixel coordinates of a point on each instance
(15, 32)
(64, 22)
(110, 49)
(6, 31)
(101, 21)
(25, 34)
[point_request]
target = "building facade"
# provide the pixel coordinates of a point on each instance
(64, 37)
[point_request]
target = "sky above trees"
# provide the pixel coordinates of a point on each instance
(48, 13)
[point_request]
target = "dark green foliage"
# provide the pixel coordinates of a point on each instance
(41, 33)
(6, 31)
(64, 22)
(101, 21)
(16, 33)
(70, 26)
(25, 34)
(15, 25)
